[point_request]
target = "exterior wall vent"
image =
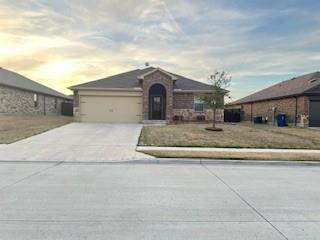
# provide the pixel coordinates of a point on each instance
(314, 80)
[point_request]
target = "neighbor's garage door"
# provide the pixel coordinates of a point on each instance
(314, 115)
(111, 109)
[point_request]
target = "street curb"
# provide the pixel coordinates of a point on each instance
(205, 149)
(168, 161)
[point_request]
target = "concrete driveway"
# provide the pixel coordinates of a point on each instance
(225, 201)
(78, 142)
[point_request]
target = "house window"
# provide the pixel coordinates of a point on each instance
(198, 105)
(35, 100)
(55, 103)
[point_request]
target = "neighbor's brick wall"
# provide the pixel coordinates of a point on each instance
(286, 106)
(246, 112)
(303, 111)
(50, 106)
(16, 101)
(166, 81)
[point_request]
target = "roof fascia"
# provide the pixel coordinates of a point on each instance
(107, 89)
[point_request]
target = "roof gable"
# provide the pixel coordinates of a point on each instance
(173, 77)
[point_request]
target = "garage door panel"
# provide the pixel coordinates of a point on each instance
(314, 115)
(111, 109)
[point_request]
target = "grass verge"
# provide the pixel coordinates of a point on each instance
(234, 155)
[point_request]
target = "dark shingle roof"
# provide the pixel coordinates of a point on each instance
(12, 79)
(130, 80)
(294, 87)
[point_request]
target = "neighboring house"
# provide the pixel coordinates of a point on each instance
(298, 98)
(141, 95)
(20, 95)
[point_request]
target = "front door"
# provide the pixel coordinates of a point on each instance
(156, 107)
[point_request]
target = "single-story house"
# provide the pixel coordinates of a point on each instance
(298, 98)
(141, 95)
(20, 95)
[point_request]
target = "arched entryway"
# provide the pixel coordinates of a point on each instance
(157, 102)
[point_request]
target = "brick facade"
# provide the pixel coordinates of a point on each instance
(177, 104)
(157, 77)
(183, 105)
(191, 115)
(16, 101)
(296, 110)
(183, 100)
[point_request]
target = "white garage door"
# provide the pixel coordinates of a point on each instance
(111, 109)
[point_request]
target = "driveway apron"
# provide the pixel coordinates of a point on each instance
(78, 142)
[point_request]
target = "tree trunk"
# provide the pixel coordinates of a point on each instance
(214, 117)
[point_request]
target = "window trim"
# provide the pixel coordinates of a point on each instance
(198, 101)
(36, 100)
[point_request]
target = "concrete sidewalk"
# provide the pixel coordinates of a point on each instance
(232, 153)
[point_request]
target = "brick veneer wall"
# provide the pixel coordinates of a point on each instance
(183, 100)
(16, 101)
(157, 77)
(183, 105)
(285, 105)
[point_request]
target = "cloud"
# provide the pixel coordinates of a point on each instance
(62, 43)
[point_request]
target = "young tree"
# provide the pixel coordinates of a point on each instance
(218, 81)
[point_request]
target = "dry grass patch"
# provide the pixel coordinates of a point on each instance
(234, 155)
(14, 128)
(233, 136)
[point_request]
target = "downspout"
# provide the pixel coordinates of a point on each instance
(44, 105)
(296, 112)
(251, 112)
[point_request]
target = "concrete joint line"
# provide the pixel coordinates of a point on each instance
(245, 201)
(31, 175)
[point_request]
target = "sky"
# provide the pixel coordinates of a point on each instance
(62, 43)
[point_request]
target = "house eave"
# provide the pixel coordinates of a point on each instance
(107, 89)
(34, 91)
(194, 91)
(268, 99)
(191, 91)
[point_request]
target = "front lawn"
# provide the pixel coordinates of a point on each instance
(14, 128)
(233, 136)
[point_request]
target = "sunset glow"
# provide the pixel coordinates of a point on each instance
(63, 43)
